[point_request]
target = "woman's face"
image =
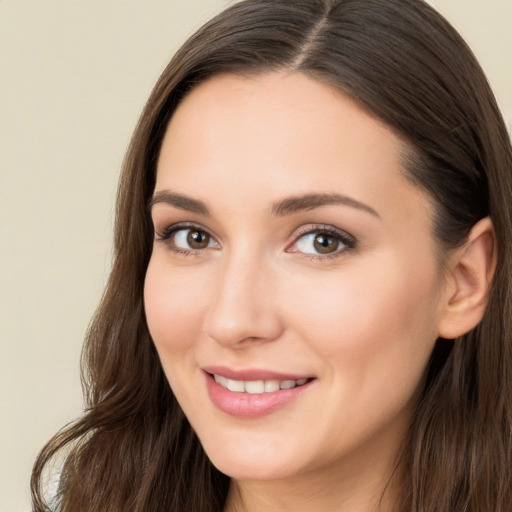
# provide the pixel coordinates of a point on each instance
(293, 291)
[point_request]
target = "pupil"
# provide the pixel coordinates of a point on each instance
(197, 239)
(325, 244)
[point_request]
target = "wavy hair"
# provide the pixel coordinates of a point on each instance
(133, 449)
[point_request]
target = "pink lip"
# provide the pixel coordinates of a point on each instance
(247, 405)
(251, 374)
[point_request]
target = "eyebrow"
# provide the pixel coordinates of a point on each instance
(286, 206)
(179, 201)
(306, 202)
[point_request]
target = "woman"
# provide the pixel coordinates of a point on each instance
(310, 303)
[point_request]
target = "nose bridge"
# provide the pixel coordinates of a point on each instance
(243, 308)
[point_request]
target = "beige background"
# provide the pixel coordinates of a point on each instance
(74, 76)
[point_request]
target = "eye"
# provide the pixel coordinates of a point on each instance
(326, 241)
(187, 239)
(193, 239)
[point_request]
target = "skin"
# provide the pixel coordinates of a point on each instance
(362, 320)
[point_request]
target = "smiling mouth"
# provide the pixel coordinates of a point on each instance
(258, 386)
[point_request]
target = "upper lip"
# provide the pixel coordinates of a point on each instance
(252, 374)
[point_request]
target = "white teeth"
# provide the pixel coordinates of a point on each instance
(271, 385)
(219, 379)
(254, 386)
(257, 386)
(236, 385)
(287, 384)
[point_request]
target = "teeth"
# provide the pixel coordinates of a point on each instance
(219, 379)
(271, 385)
(257, 386)
(287, 384)
(236, 385)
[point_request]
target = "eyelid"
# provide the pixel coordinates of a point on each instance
(314, 228)
(176, 226)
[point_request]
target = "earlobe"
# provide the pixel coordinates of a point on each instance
(470, 275)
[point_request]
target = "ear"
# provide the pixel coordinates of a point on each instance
(470, 273)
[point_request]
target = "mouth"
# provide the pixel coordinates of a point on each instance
(257, 387)
(254, 393)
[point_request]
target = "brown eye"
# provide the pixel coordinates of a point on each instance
(197, 239)
(190, 239)
(325, 243)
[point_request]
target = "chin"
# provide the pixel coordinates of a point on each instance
(250, 462)
(246, 470)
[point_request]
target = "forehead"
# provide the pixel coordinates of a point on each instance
(280, 134)
(277, 109)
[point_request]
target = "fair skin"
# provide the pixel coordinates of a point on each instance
(343, 289)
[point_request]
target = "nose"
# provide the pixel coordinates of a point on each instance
(244, 306)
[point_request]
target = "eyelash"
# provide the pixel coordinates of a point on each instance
(342, 237)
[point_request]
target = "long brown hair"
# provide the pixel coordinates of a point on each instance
(133, 449)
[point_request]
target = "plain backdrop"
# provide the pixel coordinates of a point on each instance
(74, 76)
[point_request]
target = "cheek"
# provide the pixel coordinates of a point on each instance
(369, 318)
(374, 335)
(175, 300)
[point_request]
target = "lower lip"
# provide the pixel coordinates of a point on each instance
(248, 405)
